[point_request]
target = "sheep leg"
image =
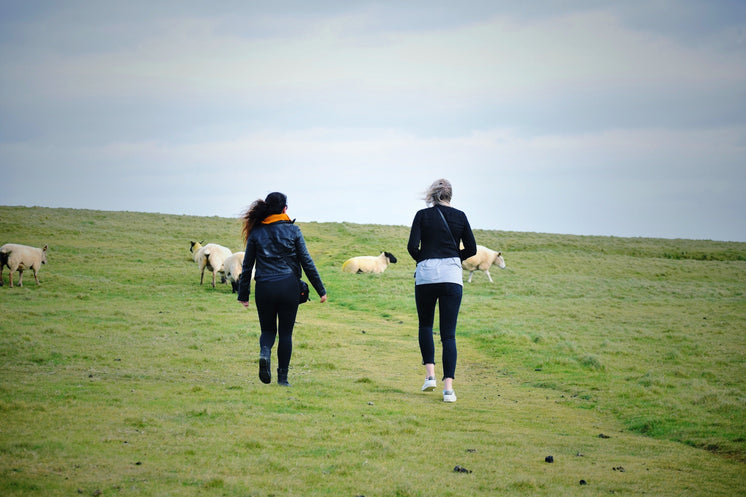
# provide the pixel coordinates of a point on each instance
(2, 266)
(471, 273)
(214, 274)
(487, 272)
(20, 278)
(202, 276)
(36, 276)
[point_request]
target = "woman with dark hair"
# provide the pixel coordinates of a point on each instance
(276, 246)
(434, 243)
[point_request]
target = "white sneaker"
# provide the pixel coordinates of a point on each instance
(449, 396)
(429, 385)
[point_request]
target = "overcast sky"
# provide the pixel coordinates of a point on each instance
(623, 118)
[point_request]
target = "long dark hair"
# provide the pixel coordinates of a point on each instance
(260, 209)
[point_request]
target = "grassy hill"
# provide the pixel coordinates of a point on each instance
(622, 358)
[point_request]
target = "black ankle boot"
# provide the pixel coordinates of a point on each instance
(265, 373)
(282, 377)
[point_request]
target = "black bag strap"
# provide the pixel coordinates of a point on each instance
(448, 228)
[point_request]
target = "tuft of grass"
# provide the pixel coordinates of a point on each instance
(121, 375)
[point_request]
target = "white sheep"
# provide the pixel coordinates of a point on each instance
(210, 257)
(483, 260)
(20, 257)
(368, 263)
(233, 267)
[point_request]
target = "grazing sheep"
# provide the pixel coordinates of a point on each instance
(20, 257)
(210, 257)
(483, 260)
(368, 263)
(233, 267)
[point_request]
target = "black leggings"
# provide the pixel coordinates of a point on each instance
(277, 305)
(448, 295)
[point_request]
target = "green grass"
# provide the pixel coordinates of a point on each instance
(623, 358)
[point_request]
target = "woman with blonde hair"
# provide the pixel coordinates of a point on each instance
(434, 243)
(276, 246)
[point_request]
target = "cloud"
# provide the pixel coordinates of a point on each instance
(587, 117)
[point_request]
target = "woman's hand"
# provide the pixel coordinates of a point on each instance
(323, 299)
(245, 304)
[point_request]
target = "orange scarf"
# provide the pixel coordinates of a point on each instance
(273, 218)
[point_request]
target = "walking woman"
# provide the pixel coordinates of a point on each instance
(276, 246)
(434, 243)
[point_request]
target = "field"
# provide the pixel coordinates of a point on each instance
(621, 358)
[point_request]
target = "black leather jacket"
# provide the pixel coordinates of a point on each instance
(278, 250)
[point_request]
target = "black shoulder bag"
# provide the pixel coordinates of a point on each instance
(304, 290)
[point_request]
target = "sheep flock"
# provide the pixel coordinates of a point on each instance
(220, 260)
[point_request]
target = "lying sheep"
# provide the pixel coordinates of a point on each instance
(369, 263)
(210, 257)
(20, 257)
(233, 267)
(483, 260)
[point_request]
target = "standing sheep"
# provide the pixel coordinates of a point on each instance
(369, 263)
(233, 267)
(20, 257)
(483, 260)
(210, 257)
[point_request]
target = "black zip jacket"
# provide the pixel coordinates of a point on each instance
(278, 250)
(429, 239)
